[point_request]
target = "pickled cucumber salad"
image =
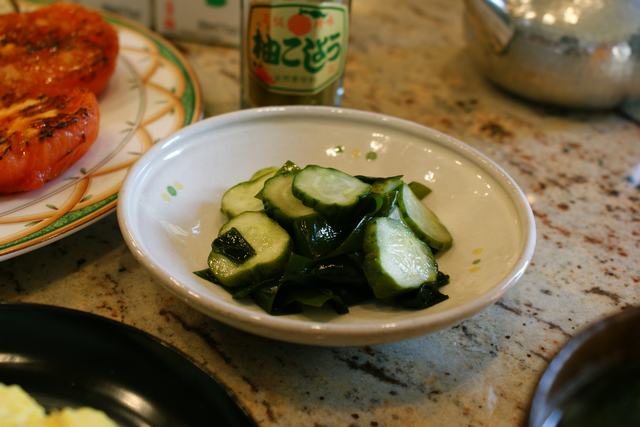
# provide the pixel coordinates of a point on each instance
(319, 237)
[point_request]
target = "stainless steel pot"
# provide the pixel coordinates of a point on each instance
(573, 53)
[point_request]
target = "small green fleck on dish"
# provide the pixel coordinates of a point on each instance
(476, 261)
(171, 191)
(371, 155)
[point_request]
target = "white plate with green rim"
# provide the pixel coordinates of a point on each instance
(152, 93)
(169, 213)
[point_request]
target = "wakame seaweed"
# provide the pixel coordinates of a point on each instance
(232, 245)
(425, 296)
(420, 190)
(314, 236)
(324, 266)
(335, 283)
(206, 275)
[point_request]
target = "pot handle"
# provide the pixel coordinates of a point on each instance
(493, 18)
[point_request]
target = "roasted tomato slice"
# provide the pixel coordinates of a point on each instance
(63, 46)
(42, 134)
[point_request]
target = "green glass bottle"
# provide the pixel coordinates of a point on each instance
(293, 52)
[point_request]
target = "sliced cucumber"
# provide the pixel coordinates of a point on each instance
(312, 235)
(395, 260)
(386, 185)
(264, 171)
(329, 191)
(387, 188)
(423, 221)
(279, 201)
(270, 242)
(394, 213)
(242, 197)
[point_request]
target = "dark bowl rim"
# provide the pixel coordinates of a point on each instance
(550, 374)
(150, 339)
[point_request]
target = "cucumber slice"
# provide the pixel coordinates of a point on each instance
(312, 235)
(242, 197)
(270, 242)
(394, 213)
(264, 171)
(279, 201)
(423, 221)
(329, 191)
(386, 185)
(388, 189)
(395, 260)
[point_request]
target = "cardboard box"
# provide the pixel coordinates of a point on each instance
(209, 21)
(137, 10)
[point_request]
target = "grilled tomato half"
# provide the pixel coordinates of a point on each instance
(62, 46)
(42, 134)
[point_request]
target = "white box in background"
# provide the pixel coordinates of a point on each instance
(138, 10)
(6, 7)
(209, 21)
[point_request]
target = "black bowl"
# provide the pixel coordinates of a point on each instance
(595, 379)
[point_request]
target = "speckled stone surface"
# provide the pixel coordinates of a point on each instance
(406, 59)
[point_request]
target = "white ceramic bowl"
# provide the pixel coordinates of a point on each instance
(169, 212)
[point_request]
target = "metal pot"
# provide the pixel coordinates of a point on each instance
(573, 53)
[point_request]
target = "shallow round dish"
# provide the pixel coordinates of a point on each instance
(169, 212)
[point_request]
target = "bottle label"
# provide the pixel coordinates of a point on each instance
(297, 48)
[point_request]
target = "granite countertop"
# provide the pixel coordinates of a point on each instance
(407, 60)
